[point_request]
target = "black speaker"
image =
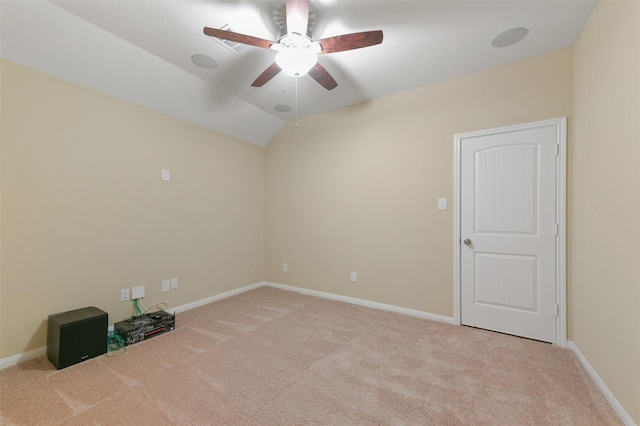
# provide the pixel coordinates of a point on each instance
(76, 336)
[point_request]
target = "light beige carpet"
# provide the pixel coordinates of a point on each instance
(272, 357)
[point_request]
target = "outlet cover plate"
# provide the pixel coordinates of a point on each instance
(137, 292)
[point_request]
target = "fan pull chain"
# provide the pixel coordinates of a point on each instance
(296, 104)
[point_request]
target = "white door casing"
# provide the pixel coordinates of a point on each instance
(509, 204)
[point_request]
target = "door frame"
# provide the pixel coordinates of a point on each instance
(561, 200)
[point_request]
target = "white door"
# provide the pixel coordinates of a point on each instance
(508, 229)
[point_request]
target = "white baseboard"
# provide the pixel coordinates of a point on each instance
(215, 298)
(624, 416)
(367, 303)
(25, 356)
(10, 361)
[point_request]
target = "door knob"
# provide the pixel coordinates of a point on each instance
(467, 242)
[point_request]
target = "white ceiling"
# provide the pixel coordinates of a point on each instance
(141, 51)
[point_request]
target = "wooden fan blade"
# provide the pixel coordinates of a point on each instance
(350, 41)
(238, 38)
(322, 76)
(297, 15)
(267, 75)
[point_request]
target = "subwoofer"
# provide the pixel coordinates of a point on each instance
(76, 336)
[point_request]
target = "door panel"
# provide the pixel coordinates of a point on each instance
(506, 190)
(508, 219)
(506, 281)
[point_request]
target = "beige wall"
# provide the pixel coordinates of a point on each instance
(604, 200)
(357, 189)
(85, 213)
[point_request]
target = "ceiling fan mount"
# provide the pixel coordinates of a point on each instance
(297, 51)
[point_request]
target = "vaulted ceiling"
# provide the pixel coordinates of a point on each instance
(154, 52)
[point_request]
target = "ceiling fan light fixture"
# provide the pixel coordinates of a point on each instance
(297, 51)
(296, 61)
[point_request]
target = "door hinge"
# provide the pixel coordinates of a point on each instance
(557, 310)
(557, 149)
(557, 229)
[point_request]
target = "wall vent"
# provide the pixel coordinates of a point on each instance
(232, 46)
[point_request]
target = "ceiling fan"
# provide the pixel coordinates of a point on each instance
(297, 51)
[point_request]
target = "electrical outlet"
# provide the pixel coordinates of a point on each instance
(174, 283)
(285, 267)
(124, 295)
(166, 285)
(354, 277)
(137, 292)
